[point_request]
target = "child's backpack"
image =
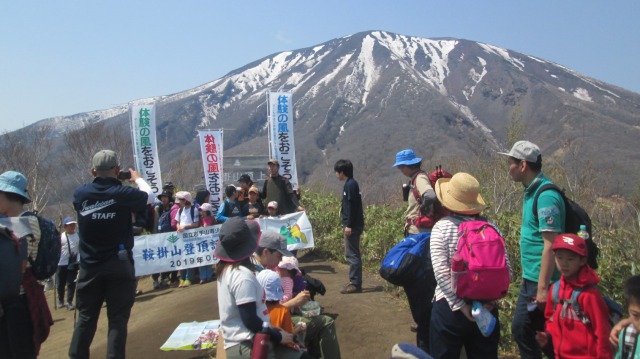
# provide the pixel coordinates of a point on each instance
(485, 275)
(164, 222)
(408, 260)
(430, 211)
(193, 208)
(575, 216)
(45, 263)
(615, 309)
(13, 253)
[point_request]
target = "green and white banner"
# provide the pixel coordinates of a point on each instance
(281, 141)
(145, 145)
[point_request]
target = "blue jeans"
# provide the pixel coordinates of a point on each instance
(523, 329)
(206, 272)
(450, 331)
(186, 274)
(352, 253)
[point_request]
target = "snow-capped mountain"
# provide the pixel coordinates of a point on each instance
(369, 95)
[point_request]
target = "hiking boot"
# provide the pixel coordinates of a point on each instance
(351, 288)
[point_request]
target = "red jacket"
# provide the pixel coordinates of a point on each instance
(571, 337)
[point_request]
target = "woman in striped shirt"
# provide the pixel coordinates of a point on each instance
(452, 325)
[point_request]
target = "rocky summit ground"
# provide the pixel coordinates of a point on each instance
(368, 323)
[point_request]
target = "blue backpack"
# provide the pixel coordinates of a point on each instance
(164, 222)
(408, 260)
(45, 264)
(615, 309)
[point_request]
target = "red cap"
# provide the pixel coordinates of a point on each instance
(570, 242)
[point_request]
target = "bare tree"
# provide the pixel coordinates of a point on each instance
(28, 151)
(86, 141)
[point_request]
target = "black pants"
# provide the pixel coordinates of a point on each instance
(172, 276)
(115, 282)
(66, 278)
(419, 294)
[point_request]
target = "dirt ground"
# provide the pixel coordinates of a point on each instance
(368, 324)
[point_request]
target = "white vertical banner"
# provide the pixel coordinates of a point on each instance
(211, 148)
(281, 142)
(145, 145)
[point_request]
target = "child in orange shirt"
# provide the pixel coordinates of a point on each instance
(279, 314)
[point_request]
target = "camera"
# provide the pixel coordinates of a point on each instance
(124, 175)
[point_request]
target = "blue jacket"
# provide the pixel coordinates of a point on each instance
(227, 210)
(104, 210)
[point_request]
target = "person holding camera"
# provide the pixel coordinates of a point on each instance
(68, 264)
(107, 272)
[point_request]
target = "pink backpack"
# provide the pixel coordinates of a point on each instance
(483, 273)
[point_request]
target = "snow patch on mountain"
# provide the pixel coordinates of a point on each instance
(586, 79)
(476, 78)
(437, 51)
(502, 53)
(364, 75)
(582, 94)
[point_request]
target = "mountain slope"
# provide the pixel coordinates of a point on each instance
(369, 95)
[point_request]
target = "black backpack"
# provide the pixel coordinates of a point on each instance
(13, 252)
(192, 211)
(575, 216)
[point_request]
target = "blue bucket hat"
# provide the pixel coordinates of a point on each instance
(14, 182)
(406, 157)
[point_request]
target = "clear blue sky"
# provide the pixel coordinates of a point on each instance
(65, 57)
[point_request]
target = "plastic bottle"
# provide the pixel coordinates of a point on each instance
(582, 233)
(260, 349)
(458, 268)
(485, 320)
(122, 253)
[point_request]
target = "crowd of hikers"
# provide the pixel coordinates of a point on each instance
(454, 283)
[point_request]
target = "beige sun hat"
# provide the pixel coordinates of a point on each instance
(460, 194)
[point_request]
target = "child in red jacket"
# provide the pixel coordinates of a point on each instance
(582, 330)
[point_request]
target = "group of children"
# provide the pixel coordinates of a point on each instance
(249, 206)
(186, 212)
(578, 324)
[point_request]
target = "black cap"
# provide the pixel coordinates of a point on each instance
(237, 241)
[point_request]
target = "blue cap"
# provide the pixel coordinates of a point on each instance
(68, 220)
(14, 182)
(406, 157)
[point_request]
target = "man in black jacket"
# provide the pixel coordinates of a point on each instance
(353, 224)
(107, 271)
